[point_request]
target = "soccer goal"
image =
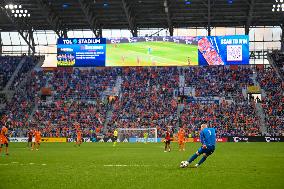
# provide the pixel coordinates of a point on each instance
(137, 134)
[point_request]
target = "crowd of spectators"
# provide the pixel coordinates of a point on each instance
(273, 102)
(75, 97)
(218, 80)
(231, 118)
(8, 65)
(147, 100)
(278, 58)
(27, 66)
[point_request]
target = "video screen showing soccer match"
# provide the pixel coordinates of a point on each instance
(152, 51)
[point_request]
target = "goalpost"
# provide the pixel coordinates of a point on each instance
(138, 134)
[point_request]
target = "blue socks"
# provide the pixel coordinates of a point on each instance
(193, 157)
(202, 160)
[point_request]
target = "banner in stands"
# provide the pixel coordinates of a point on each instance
(223, 50)
(217, 139)
(53, 140)
(256, 139)
(18, 139)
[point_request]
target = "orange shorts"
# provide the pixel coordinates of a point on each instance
(181, 142)
(3, 140)
(37, 140)
(79, 139)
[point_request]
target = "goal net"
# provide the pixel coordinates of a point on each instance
(137, 134)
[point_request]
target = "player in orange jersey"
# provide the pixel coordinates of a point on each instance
(181, 139)
(79, 137)
(4, 139)
(37, 140)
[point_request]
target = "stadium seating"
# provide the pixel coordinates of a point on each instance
(76, 96)
(274, 101)
(147, 99)
(8, 65)
(218, 80)
(27, 66)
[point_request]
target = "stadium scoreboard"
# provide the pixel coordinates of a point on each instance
(81, 52)
(153, 51)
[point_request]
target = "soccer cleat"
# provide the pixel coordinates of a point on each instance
(196, 165)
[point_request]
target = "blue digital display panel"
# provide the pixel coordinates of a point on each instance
(81, 52)
(223, 50)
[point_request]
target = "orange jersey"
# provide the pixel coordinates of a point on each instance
(3, 138)
(4, 130)
(79, 134)
(37, 136)
(181, 136)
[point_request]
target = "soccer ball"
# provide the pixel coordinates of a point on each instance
(183, 164)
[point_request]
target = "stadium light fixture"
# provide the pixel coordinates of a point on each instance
(17, 10)
(11, 6)
(278, 6)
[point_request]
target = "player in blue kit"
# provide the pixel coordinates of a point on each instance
(208, 140)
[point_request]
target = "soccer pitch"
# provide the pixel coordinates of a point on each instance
(133, 165)
(161, 54)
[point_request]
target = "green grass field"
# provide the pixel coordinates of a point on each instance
(131, 165)
(163, 54)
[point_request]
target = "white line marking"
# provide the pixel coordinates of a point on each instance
(134, 165)
(31, 163)
(15, 162)
(43, 164)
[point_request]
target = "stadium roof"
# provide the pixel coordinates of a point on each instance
(61, 15)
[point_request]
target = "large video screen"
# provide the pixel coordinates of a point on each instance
(153, 51)
(81, 52)
(223, 50)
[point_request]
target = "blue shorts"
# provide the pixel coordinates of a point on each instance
(208, 151)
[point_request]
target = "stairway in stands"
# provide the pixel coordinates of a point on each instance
(259, 110)
(114, 91)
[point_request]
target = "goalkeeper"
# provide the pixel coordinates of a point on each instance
(145, 137)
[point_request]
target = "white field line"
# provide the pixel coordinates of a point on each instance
(121, 165)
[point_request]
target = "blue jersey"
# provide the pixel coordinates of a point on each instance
(208, 136)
